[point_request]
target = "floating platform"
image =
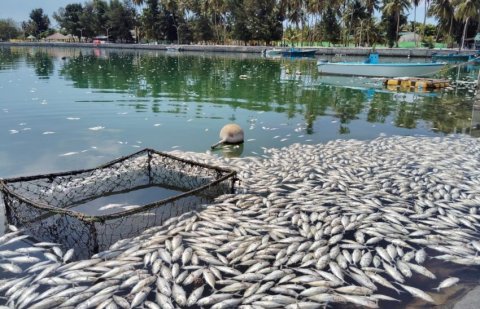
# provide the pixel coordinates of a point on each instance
(417, 83)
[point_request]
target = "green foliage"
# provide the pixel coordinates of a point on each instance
(69, 18)
(256, 20)
(202, 30)
(187, 21)
(8, 30)
(29, 28)
(121, 19)
(150, 20)
(330, 28)
(41, 20)
(428, 42)
(240, 29)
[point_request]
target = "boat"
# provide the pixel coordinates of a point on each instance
(294, 52)
(273, 52)
(174, 48)
(456, 57)
(373, 68)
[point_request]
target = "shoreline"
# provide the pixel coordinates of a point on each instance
(326, 51)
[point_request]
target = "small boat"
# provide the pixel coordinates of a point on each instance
(174, 48)
(273, 52)
(372, 67)
(293, 52)
(456, 57)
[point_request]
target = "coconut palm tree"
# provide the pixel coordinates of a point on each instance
(444, 11)
(464, 10)
(427, 4)
(371, 6)
(294, 10)
(396, 7)
(415, 4)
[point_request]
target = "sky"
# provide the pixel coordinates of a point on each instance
(19, 10)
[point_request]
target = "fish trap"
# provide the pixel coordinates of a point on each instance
(67, 207)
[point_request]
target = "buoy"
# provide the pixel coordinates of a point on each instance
(230, 134)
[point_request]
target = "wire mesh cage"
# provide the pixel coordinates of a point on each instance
(67, 207)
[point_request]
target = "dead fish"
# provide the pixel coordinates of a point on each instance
(140, 297)
(179, 295)
(447, 283)
(214, 298)
(418, 293)
(194, 296)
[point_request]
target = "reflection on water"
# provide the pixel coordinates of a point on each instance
(181, 100)
(123, 201)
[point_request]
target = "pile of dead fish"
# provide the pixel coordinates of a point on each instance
(312, 225)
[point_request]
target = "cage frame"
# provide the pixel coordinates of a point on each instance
(5, 190)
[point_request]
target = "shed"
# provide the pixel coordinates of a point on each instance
(409, 37)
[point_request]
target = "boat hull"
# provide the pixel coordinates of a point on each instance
(273, 52)
(380, 69)
(299, 53)
(290, 52)
(456, 57)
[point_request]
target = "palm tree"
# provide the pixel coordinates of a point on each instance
(315, 9)
(415, 4)
(464, 10)
(445, 12)
(427, 3)
(294, 10)
(371, 6)
(396, 7)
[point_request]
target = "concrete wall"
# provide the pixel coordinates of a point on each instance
(358, 51)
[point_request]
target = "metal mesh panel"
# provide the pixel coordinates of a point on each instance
(43, 204)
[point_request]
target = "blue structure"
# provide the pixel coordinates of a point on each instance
(373, 58)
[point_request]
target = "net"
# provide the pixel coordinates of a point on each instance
(47, 205)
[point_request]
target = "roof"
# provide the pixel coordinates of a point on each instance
(58, 36)
(31, 37)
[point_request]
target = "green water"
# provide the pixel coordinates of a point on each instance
(63, 109)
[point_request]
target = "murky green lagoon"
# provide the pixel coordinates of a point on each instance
(63, 109)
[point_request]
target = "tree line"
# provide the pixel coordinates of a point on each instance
(359, 22)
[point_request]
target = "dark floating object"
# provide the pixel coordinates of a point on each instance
(230, 134)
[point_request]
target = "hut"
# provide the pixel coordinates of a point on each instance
(58, 37)
(409, 37)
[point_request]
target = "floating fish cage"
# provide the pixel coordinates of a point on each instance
(67, 207)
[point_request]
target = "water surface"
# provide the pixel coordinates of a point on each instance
(64, 109)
